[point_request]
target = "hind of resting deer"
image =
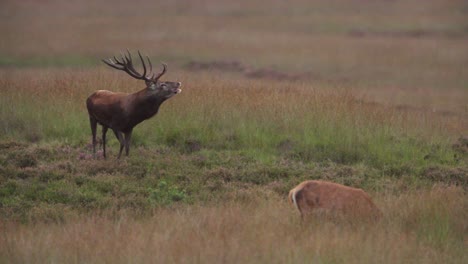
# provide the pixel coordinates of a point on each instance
(121, 112)
(331, 198)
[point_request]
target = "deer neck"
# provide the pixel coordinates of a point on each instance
(144, 106)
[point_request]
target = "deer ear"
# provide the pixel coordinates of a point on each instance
(151, 85)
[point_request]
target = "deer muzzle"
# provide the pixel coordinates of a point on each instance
(179, 84)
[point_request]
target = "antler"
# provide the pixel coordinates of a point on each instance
(162, 72)
(125, 64)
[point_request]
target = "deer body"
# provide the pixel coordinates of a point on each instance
(121, 112)
(328, 197)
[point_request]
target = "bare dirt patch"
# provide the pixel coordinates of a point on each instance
(416, 33)
(226, 66)
(246, 70)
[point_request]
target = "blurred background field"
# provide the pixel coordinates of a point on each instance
(371, 94)
(402, 52)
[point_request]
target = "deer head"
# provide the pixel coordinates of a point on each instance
(154, 87)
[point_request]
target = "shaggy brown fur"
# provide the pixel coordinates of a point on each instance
(329, 197)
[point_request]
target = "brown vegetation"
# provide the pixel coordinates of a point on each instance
(247, 71)
(428, 226)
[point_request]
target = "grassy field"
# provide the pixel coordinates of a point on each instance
(368, 94)
(422, 227)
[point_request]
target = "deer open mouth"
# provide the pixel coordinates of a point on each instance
(179, 84)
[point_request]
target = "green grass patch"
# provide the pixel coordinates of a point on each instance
(7, 61)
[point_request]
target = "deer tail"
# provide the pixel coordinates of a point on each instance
(292, 198)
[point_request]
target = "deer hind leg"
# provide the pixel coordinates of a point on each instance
(128, 136)
(307, 203)
(104, 131)
(93, 123)
(120, 137)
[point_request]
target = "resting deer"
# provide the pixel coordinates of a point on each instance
(121, 112)
(329, 197)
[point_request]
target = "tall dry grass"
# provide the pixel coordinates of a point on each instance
(421, 226)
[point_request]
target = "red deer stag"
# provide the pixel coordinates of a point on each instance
(121, 112)
(329, 197)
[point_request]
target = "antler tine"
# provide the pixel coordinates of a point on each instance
(125, 63)
(112, 64)
(129, 55)
(151, 66)
(124, 58)
(162, 72)
(121, 63)
(143, 64)
(129, 64)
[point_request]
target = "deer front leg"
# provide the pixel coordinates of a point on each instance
(120, 137)
(104, 131)
(93, 124)
(128, 136)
